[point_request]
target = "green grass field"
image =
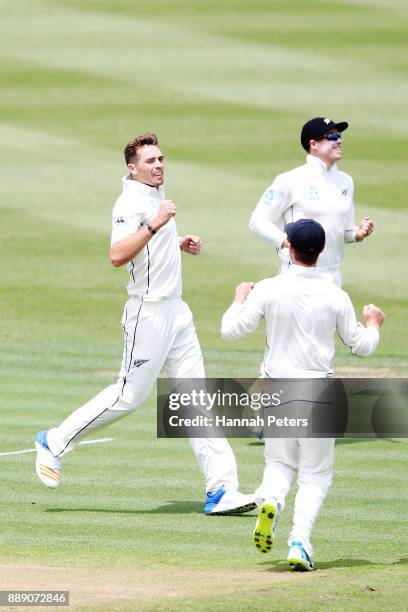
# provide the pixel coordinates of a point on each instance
(226, 85)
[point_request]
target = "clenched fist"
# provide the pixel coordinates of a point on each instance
(365, 228)
(167, 210)
(190, 244)
(242, 291)
(372, 315)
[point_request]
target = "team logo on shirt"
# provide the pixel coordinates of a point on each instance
(139, 362)
(313, 193)
(344, 193)
(268, 196)
(119, 220)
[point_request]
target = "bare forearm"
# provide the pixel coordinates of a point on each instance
(125, 250)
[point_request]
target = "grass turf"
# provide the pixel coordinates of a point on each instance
(226, 85)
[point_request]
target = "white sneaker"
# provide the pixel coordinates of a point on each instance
(228, 502)
(47, 466)
(264, 532)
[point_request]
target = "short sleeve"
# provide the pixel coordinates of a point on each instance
(125, 220)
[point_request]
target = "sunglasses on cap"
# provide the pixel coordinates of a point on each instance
(332, 136)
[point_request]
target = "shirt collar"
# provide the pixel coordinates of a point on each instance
(298, 270)
(129, 183)
(319, 165)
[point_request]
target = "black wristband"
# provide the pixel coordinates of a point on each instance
(151, 230)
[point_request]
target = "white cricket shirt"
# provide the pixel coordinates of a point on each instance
(302, 311)
(310, 191)
(155, 273)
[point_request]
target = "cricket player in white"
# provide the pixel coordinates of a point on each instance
(158, 328)
(302, 311)
(317, 190)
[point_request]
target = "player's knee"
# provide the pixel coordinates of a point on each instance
(320, 480)
(129, 400)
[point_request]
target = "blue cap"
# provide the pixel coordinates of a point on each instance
(306, 236)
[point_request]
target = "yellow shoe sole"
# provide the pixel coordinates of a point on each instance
(264, 537)
(300, 566)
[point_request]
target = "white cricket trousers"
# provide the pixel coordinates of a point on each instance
(312, 459)
(158, 335)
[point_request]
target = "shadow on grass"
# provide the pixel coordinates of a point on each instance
(345, 441)
(256, 443)
(360, 440)
(282, 566)
(171, 507)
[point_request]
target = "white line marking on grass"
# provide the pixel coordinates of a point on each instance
(29, 450)
(99, 441)
(32, 450)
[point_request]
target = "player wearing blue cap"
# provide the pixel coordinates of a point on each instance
(302, 310)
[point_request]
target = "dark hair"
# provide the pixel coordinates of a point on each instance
(131, 148)
(308, 259)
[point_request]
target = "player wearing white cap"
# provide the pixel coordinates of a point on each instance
(302, 311)
(158, 328)
(317, 190)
